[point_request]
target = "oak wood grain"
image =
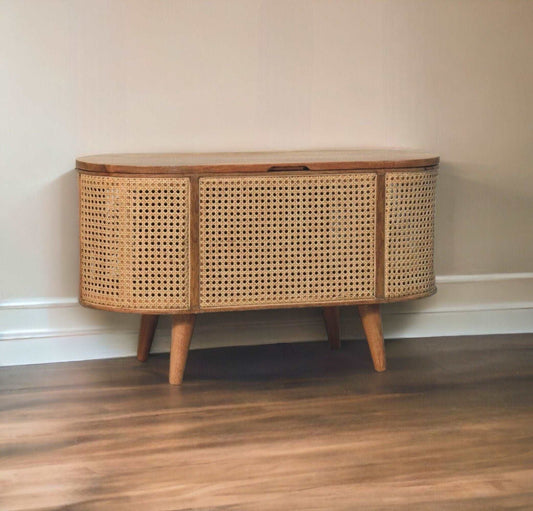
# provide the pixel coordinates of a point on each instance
(380, 236)
(150, 163)
(146, 335)
(394, 299)
(279, 427)
(371, 319)
(182, 328)
(194, 236)
(331, 317)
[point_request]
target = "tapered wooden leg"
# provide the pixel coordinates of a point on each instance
(182, 327)
(331, 320)
(146, 335)
(371, 319)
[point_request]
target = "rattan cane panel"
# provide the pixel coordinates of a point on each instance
(134, 235)
(409, 233)
(286, 239)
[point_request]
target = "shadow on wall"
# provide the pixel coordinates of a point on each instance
(43, 233)
(483, 222)
(64, 192)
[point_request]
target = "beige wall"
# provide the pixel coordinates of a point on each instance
(81, 77)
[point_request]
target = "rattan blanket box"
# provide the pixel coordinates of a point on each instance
(182, 234)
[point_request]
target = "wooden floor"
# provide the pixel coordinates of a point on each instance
(449, 426)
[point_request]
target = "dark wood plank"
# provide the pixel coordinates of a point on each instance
(448, 427)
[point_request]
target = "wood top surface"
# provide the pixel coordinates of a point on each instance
(176, 163)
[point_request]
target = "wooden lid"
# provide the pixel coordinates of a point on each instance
(178, 163)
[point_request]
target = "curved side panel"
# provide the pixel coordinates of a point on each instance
(134, 242)
(409, 233)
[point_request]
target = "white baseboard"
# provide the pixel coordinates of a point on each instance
(59, 330)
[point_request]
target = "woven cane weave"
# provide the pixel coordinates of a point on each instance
(409, 233)
(286, 239)
(134, 235)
